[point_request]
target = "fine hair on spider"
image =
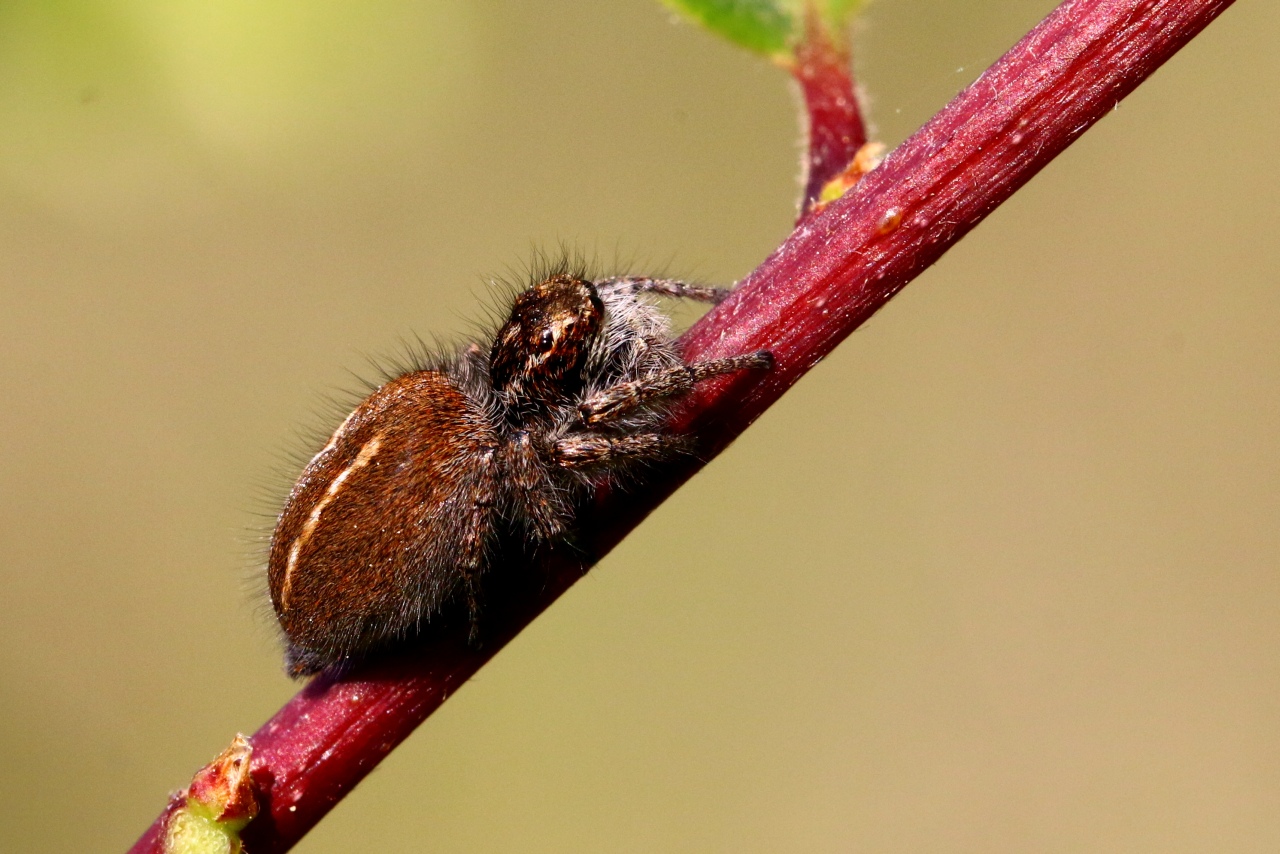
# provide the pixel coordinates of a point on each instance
(463, 455)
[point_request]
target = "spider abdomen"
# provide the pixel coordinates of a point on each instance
(376, 535)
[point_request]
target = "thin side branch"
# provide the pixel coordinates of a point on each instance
(835, 127)
(833, 273)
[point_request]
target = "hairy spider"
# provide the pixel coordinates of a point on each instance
(399, 514)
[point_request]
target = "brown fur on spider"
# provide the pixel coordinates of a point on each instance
(398, 515)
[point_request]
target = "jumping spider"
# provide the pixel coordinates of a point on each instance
(397, 516)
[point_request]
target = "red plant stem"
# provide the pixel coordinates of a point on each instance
(833, 273)
(836, 131)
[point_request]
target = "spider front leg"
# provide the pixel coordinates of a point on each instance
(580, 450)
(668, 288)
(618, 400)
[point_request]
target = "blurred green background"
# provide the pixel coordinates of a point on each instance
(1002, 574)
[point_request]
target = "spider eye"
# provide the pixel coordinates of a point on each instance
(546, 341)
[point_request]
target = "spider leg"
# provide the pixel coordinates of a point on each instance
(476, 505)
(471, 552)
(668, 288)
(618, 400)
(524, 471)
(580, 450)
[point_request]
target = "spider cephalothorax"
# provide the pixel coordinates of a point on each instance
(539, 354)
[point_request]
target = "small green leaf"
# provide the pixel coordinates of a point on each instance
(771, 27)
(764, 26)
(836, 14)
